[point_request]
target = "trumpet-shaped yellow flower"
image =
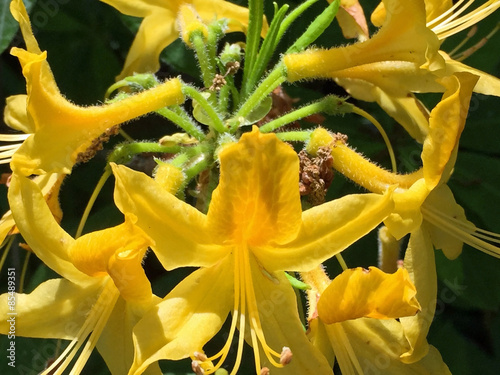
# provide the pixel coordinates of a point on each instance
(103, 290)
(159, 27)
(424, 204)
(61, 132)
(254, 230)
(365, 345)
(401, 59)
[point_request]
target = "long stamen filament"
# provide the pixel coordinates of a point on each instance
(466, 234)
(449, 23)
(111, 296)
(65, 358)
(254, 315)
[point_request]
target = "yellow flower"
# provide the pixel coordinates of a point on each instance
(364, 345)
(401, 59)
(158, 28)
(424, 204)
(103, 290)
(254, 230)
(62, 133)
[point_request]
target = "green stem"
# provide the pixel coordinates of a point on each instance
(294, 14)
(295, 136)
(124, 152)
(316, 28)
(273, 80)
(255, 20)
(196, 95)
(267, 49)
(206, 66)
(93, 197)
(329, 104)
(184, 122)
(224, 99)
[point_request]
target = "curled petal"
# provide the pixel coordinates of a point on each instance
(371, 293)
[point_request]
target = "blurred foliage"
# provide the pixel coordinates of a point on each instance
(87, 42)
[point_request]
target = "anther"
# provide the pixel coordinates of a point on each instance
(286, 356)
(196, 367)
(200, 356)
(264, 371)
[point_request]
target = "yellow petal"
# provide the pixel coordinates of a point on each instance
(326, 230)
(407, 215)
(20, 15)
(281, 325)
(447, 120)
(487, 84)
(188, 317)
(178, 229)
(57, 308)
(118, 329)
(117, 251)
(371, 293)
(258, 198)
(433, 9)
(49, 185)
(406, 109)
(378, 344)
(15, 115)
(40, 230)
(420, 263)
(352, 20)
(442, 199)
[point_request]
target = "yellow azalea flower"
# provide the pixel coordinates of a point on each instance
(101, 295)
(401, 59)
(62, 133)
(364, 345)
(422, 194)
(424, 204)
(158, 28)
(254, 230)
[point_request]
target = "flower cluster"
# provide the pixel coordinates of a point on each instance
(239, 197)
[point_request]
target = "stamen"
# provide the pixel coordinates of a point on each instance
(286, 356)
(347, 359)
(95, 321)
(195, 366)
(466, 233)
(7, 151)
(449, 23)
(463, 55)
(200, 356)
(244, 303)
